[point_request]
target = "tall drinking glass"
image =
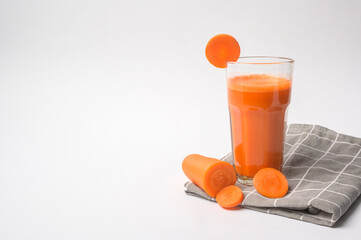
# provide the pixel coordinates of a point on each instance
(259, 92)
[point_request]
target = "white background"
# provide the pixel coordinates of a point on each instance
(100, 101)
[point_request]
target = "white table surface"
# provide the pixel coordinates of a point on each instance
(101, 101)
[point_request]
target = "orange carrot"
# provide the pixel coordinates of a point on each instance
(230, 197)
(210, 174)
(222, 48)
(271, 183)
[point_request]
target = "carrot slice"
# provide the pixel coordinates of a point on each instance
(271, 183)
(230, 196)
(210, 174)
(222, 48)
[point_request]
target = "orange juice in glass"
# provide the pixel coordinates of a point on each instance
(259, 91)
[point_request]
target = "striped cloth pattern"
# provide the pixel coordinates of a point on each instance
(323, 169)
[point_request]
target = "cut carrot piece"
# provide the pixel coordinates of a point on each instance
(271, 183)
(210, 174)
(222, 48)
(230, 197)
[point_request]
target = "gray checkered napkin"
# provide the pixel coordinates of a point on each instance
(323, 169)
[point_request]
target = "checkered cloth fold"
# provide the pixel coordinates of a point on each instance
(323, 169)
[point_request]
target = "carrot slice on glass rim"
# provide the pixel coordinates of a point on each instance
(222, 48)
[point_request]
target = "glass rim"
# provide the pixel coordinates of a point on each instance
(271, 60)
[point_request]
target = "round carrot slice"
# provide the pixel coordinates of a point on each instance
(271, 183)
(230, 196)
(222, 48)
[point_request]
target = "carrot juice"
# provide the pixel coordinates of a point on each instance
(257, 105)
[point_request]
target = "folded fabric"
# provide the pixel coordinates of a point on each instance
(323, 169)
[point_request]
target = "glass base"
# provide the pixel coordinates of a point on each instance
(245, 180)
